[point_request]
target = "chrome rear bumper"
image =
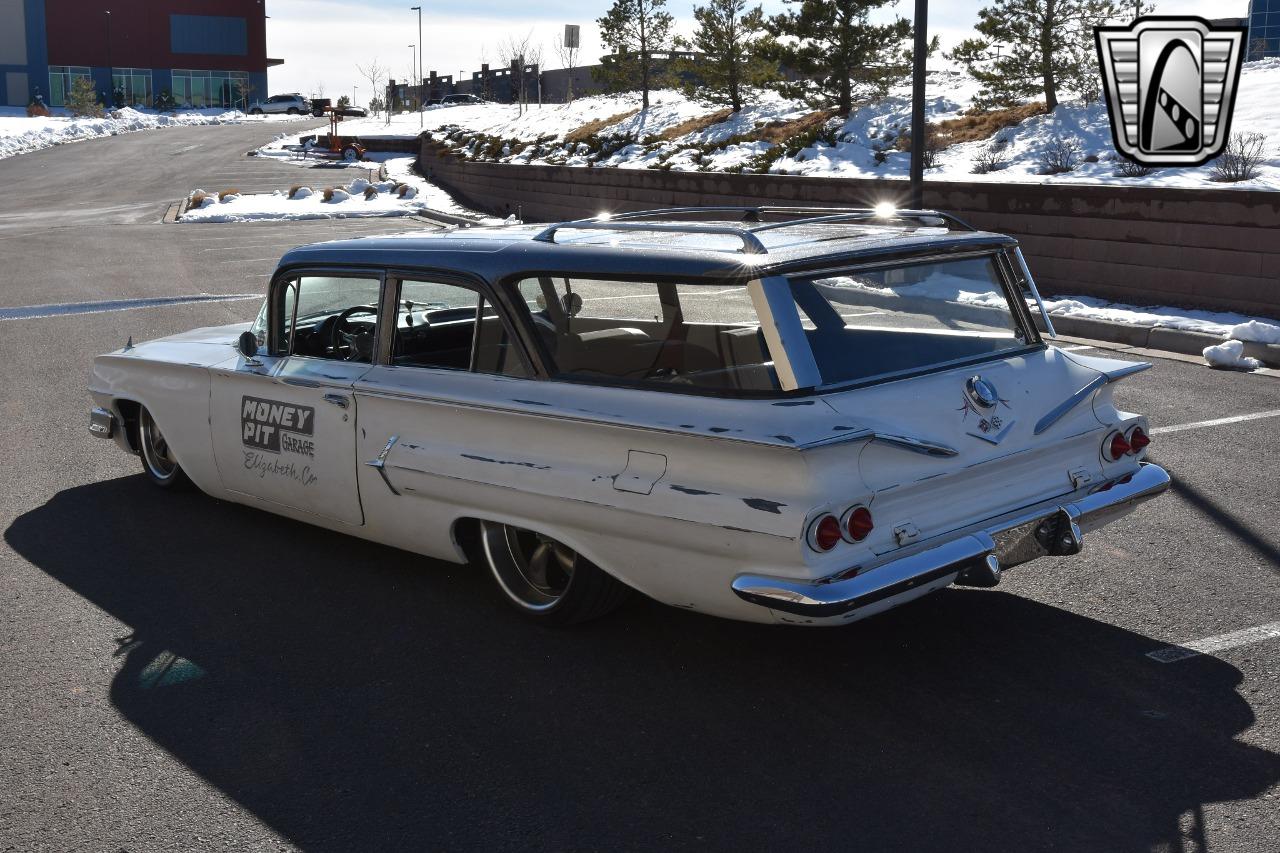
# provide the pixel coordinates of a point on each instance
(1052, 527)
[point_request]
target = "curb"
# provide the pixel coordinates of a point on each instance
(1155, 337)
(175, 210)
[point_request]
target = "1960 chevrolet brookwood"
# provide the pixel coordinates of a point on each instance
(770, 414)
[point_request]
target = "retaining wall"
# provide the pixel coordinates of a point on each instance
(1212, 248)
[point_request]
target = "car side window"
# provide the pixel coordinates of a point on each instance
(450, 326)
(333, 317)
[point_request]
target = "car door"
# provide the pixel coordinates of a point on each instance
(432, 406)
(284, 422)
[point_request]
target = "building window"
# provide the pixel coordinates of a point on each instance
(61, 78)
(134, 84)
(218, 89)
(208, 34)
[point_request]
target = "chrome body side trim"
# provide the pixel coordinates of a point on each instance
(1051, 527)
(380, 463)
(917, 445)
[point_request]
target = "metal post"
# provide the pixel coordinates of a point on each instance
(111, 72)
(413, 67)
(419, 11)
(917, 105)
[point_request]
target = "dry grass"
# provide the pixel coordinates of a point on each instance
(692, 125)
(328, 194)
(778, 132)
(400, 190)
(222, 196)
(370, 193)
(293, 190)
(973, 126)
(592, 128)
(197, 199)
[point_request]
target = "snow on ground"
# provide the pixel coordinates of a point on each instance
(346, 201)
(350, 201)
(20, 134)
(862, 146)
(1230, 354)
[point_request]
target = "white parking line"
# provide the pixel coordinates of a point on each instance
(1217, 643)
(1235, 419)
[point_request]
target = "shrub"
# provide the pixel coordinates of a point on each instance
(165, 102)
(327, 195)
(370, 192)
(197, 198)
(1240, 159)
(222, 196)
(988, 160)
(293, 190)
(82, 100)
(1062, 154)
(1126, 168)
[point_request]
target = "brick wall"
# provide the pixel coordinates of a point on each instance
(1214, 248)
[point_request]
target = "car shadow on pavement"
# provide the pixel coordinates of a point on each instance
(353, 696)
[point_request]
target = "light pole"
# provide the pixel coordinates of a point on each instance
(413, 66)
(917, 104)
(418, 9)
(355, 87)
(111, 73)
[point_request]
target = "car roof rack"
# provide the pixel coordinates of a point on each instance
(752, 216)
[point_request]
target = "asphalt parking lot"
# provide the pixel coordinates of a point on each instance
(184, 674)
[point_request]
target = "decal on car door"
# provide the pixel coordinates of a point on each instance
(281, 429)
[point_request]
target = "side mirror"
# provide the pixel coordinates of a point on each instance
(571, 304)
(248, 344)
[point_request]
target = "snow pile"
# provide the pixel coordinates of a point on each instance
(20, 134)
(1255, 330)
(347, 202)
(613, 131)
(1230, 354)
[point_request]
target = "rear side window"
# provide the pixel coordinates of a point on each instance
(896, 319)
(661, 334)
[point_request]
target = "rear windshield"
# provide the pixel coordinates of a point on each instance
(677, 336)
(907, 317)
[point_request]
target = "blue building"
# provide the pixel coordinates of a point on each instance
(1264, 29)
(204, 53)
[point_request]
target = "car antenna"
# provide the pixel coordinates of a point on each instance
(129, 344)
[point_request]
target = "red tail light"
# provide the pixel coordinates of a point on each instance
(824, 533)
(1138, 440)
(1115, 447)
(859, 523)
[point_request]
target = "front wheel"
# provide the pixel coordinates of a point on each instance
(158, 461)
(256, 111)
(544, 579)
(293, 111)
(350, 154)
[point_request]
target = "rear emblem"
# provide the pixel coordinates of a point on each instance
(981, 392)
(980, 397)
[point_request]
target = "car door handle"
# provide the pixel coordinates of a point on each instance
(339, 400)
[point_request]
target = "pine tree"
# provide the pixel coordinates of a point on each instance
(343, 102)
(82, 100)
(832, 43)
(728, 37)
(1046, 44)
(634, 30)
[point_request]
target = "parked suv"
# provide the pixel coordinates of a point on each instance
(460, 100)
(293, 104)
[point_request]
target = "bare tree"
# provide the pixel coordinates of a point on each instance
(519, 53)
(376, 73)
(568, 57)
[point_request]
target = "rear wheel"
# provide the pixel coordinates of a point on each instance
(256, 111)
(293, 111)
(158, 461)
(350, 154)
(545, 579)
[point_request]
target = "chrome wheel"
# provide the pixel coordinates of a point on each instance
(157, 456)
(533, 569)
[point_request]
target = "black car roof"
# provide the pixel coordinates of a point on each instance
(716, 249)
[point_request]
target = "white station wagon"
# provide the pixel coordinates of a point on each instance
(768, 414)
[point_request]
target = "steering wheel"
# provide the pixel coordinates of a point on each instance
(360, 343)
